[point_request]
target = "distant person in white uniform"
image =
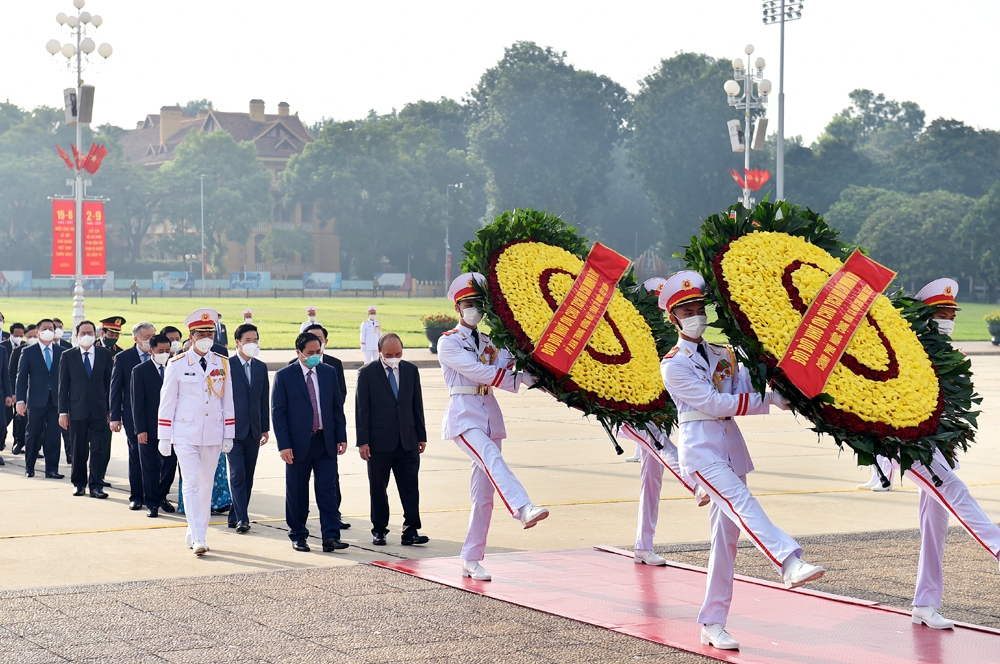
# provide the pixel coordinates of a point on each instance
(952, 497)
(710, 387)
(371, 332)
(197, 417)
(248, 317)
(310, 319)
(473, 367)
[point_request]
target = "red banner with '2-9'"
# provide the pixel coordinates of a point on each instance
(64, 239)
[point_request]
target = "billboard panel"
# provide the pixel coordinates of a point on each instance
(255, 281)
(393, 281)
(323, 281)
(173, 281)
(15, 280)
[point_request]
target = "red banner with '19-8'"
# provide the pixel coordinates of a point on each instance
(831, 321)
(577, 317)
(63, 238)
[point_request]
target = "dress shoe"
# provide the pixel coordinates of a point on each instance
(378, 540)
(475, 571)
(231, 524)
(2, 462)
(531, 515)
(29, 473)
(79, 491)
(98, 493)
(134, 505)
(152, 512)
(928, 615)
(648, 558)
(200, 548)
(330, 545)
(635, 458)
(718, 637)
(796, 572)
(17, 449)
(870, 483)
(301, 545)
(3, 446)
(344, 525)
(106, 485)
(69, 460)
(243, 527)
(410, 540)
(701, 496)
(879, 488)
(167, 507)
(54, 476)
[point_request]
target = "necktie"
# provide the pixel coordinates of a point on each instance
(392, 383)
(204, 364)
(144, 357)
(48, 358)
(86, 363)
(475, 337)
(313, 400)
(246, 368)
(161, 372)
(701, 349)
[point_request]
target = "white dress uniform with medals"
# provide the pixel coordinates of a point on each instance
(473, 367)
(371, 332)
(197, 417)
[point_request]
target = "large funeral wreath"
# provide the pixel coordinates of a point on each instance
(531, 259)
(900, 390)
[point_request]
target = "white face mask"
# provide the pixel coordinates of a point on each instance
(204, 345)
(371, 316)
(58, 333)
(945, 327)
(143, 345)
(175, 347)
(248, 321)
(17, 341)
(472, 315)
(32, 341)
(694, 326)
(391, 362)
(161, 358)
(250, 349)
(46, 335)
(87, 340)
(312, 318)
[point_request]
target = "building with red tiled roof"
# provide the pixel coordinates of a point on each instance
(277, 137)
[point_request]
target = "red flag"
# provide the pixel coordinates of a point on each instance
(739, 178)
(756, 178)
(94, 157)
(65, 157)
(76, 155)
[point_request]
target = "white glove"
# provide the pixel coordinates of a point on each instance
(779, 401)
(227, 445)
(164, 447)
(527, 379)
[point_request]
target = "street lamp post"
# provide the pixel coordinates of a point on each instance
(748, 101)
(202, 234)
(447, 228)
(780, 11)
(84, 46)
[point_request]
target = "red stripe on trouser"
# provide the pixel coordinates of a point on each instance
(947, 505)
(485, 470)
(743, 525)
(642, 441)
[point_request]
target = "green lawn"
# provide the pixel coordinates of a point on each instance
(279, 319)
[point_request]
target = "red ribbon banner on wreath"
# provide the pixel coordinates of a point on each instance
(831, 321)
(581, 311)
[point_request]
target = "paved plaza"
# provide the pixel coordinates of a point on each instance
(89, 580)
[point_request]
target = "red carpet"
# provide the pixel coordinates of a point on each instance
(602, 587)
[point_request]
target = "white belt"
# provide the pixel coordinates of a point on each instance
(479, 390)
(697, 416)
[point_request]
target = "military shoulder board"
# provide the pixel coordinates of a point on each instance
(673, 351)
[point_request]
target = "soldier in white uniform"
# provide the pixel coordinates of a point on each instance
(473, 367)
(310, 319)
(709, 388)
(197, 417)
(371, 332)
(951, 498)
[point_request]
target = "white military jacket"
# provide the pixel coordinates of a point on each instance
(371, 330)
(196, 406)
(721, 389)
(466, 364)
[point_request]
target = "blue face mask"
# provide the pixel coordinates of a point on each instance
(313, 360)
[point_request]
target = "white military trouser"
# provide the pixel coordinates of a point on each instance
(489, 473)
(734, 509)
(650, 483)
(370, 355)
(936, 505)
(198, 464)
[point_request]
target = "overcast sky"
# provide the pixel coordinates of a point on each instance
(340, 59)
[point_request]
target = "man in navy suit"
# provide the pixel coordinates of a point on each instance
(158, 471)
(19, 342)
(308, 420)
(37, 395)
(121, 405)
(251, 395)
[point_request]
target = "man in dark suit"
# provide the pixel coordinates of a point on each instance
(121, 405)
(389, 413)
(37, 393)
(111, 329)
(307, 416)
(251, 396)
(158, 471)
(6, 393)
(67, 442)
(60, 333)
(18, 343)
(8, 345)
(332, 361)
(221, 335)
(84, 381)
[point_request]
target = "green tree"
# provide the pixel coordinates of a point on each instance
(978, 237)
(194, 106)
(625, 220)
(281, 245)
(545, 131)
(237, 189)
(856, 204)
(912, 235)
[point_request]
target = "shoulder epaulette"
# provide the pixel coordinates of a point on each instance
(177, 357)
(225, 357)
(673, 351)
(723, 346)
(449, 332)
